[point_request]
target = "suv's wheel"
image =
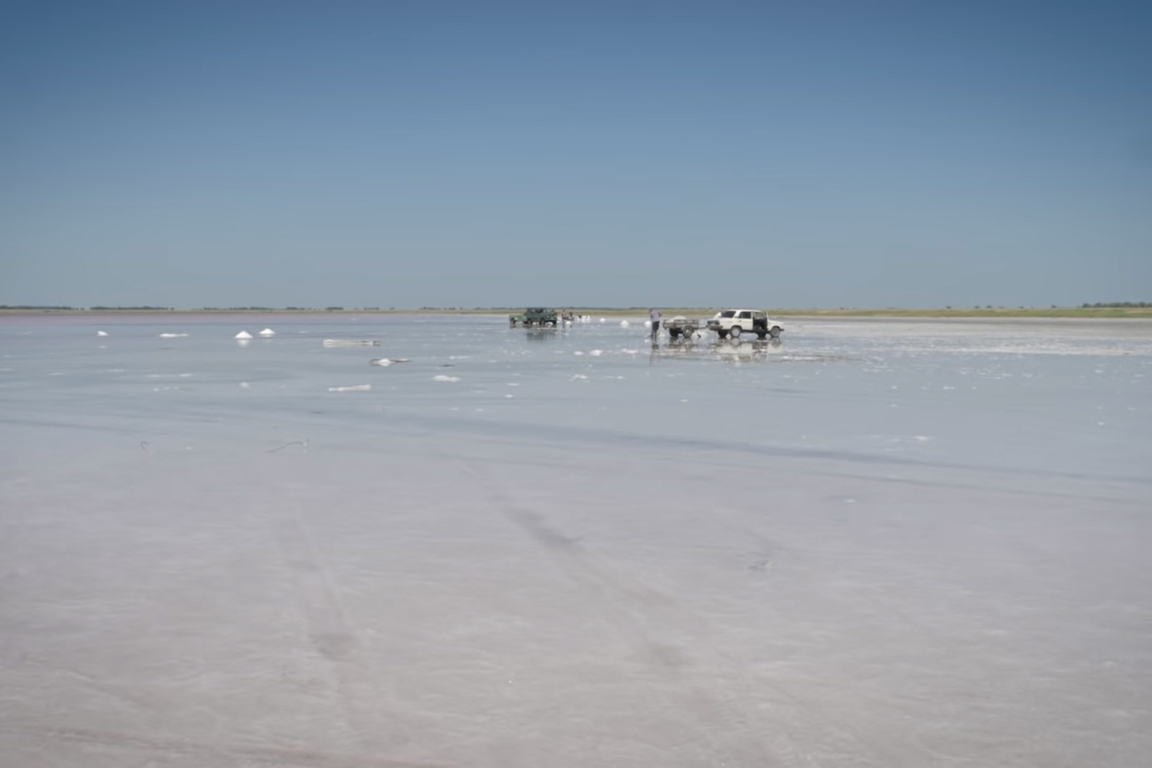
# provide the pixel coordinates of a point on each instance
(735, 331)
(775, 332)
(722, 333)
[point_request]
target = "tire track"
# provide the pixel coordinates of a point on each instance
(633, 610)
(377, 726)
(638, 611)
(206, 754)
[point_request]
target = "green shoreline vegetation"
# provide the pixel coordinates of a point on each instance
(1136, 310)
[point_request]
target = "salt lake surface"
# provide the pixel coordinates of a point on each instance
(880, 543)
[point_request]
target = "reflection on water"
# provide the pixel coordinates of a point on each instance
(736, 351)
(540, 334)
(722, 349)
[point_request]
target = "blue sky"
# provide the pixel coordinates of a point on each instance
(804, 154)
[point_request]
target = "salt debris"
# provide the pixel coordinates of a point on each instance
(351, 343)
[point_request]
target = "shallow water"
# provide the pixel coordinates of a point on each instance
(876, 543)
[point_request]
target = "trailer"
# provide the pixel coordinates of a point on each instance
(682, 328)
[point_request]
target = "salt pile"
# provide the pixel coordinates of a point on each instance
(243, 335)
(442, 377)
(101, 333)
(624, 323)
(267, 333)
(386, 361)
(353, 388)
(173, 335)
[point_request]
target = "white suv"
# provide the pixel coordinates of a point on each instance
(734, 322)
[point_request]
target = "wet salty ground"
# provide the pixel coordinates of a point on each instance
(878, 543)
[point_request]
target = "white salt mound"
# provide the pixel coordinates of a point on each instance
(267, 332)
(386, 361)
(442, 377)
(353, 388)
(173, 335)
(624, 323)
(101, 333)
(243, 335)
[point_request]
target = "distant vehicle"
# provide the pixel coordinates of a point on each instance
(534, 317)
(735, 322)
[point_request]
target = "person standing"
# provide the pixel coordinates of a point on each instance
(654, 317)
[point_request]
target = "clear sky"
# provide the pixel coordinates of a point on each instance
(799, 154)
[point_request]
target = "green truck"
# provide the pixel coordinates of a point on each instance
(534, 317)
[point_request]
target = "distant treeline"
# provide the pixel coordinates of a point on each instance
(150, 308)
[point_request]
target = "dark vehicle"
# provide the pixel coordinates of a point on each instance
(534, 317)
